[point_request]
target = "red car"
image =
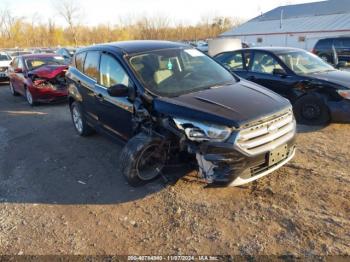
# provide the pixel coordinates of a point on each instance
(38, 77)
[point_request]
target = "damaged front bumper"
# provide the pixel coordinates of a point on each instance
(340, 110)
(3, 74)
(221, 163)
(48, 95)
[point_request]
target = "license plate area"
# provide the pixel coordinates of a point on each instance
(277, 155)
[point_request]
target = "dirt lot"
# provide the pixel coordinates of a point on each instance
(62, 194)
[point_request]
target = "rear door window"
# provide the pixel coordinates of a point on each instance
(264, 63)
(232, 60)
(79, 61)
(91, 64)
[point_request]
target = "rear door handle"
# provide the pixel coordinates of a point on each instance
(251, 78)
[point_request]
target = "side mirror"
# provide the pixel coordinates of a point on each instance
(18, 70)
(280, 72)
(341, 64)
(119, 90)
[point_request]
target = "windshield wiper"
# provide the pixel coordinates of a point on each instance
(221, 85)
(323, 71)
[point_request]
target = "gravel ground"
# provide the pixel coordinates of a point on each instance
(62, 194)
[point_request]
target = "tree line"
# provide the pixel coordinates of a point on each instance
(31, 32)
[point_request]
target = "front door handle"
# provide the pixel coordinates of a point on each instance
(251, 78)
(100, 97)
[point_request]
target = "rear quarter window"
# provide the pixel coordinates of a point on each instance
(232, 60)
(324, 44)
(91, 64)
(79, 61)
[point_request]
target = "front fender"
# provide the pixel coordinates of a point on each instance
(73, 92)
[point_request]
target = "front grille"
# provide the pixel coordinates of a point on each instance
(267, 136)
(3, 69)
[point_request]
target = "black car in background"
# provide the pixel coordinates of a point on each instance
(67, 53)
(329, 48)
(171, 102)
(319, 92)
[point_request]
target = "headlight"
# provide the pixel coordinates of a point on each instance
(344, 93)
(42, 83)
(203, 131)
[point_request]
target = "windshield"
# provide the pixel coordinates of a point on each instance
(4, 57)
(302, 62)
(33, 63)
(173, 72)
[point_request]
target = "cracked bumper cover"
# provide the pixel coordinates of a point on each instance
(233, 168)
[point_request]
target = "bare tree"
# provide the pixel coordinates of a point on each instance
(6, 22)
(70, 11)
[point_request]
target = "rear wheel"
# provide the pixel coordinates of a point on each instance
(12, 90)
(142, 159)
(311, 110)
(326, 58)
(80, 124)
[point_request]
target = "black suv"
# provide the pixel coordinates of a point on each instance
(333, 50)
(319, 92)
(171, 102)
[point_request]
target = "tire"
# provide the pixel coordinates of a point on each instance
(142, 159)
(12, 90)
(311, 110)
(326, 58)
(29, 97)
(80, 124)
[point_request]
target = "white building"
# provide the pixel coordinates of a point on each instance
(296, 25)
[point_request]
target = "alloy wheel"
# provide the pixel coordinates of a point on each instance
(29, 97)
(77, 120)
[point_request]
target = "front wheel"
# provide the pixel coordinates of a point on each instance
(326, 58)
(80, 124)
(29, 97)
(142, 159)
(311, 110)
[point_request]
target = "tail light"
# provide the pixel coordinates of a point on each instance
(313, 51)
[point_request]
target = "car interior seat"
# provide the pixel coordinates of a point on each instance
(163, 72)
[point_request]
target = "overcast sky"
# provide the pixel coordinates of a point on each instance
(186, 11)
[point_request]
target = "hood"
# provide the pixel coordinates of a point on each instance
(5, 63)
(49, 71)
(234, 105)
(337, 77)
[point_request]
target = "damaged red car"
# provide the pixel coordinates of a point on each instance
(40, 78)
